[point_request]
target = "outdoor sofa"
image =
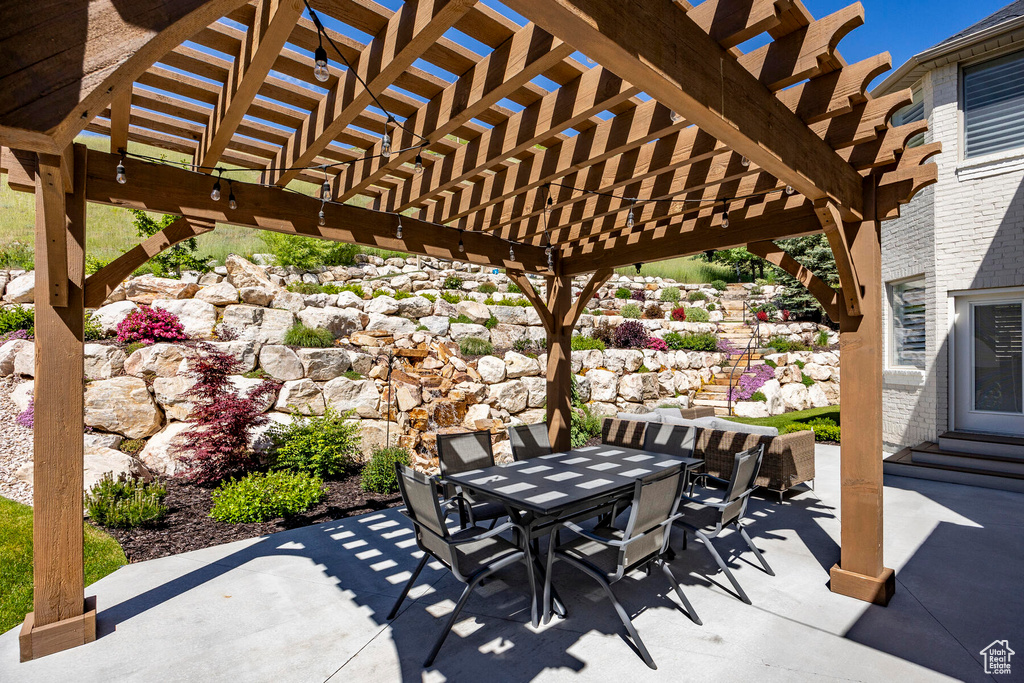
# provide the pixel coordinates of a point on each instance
(788, 458)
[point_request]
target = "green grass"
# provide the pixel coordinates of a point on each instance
(687, 270)
(102, 556)
(781, 421)
(111, 231)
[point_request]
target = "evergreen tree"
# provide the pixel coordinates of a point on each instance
(815, 254)
(170, 262)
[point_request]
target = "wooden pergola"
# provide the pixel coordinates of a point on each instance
(590, 136)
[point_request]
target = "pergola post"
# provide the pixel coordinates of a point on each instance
(62, 618)
(559, 370)
(861, 573)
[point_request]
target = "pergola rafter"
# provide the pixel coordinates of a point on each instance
(522, 146)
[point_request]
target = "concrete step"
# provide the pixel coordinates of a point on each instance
(713, 402)
(933, 454)
(983, 444)
(902, 464)
(713, 389)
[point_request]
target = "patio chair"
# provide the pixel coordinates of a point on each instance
(706, 519)
(529, 441)
(670, 439)
(606, 554)
(461, 453)
(471, 554)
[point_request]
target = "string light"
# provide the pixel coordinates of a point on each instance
(629, 216)
(321, 216)
(119, 174)
(232, 204)
(215, 192)
(790, 190)
(320, 70)
(385, 141)
(511, 252)
(398, 230)
(550, 251)
(744, 162)
(462, 247)
(725, 215)
(419, 163)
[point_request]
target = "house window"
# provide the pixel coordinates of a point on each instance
(912, 113)
(907, 329)
(994, 106)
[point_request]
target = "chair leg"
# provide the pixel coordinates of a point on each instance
(721, 564)
(528, 559)
(550, 562)
(408, 586)
(760, 557)
(690, 612)
(451, 621)
(628, 623)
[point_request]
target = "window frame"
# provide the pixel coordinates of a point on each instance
(891, 352)
(962, 72)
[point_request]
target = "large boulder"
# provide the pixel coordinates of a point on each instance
(22, 394)
(161, 453)
(391, 324)
(170, 395)
(638, 387)
(242, 273)
(280, 362)
(243, 386)
(518, 365)
(302, 396)
(474, 310)
(348, 299)
(324, 364)
(794, 395)
(360, 395)
(122, 405)
(161, 360)
(491, 369)
(384, 305)
(220, 294)
(604, 386)
(21, 290)
(816, 396)
(9, 352)
(340, 321)
(415, 307)
(98, 461)
(25, 361)
(537, 391)
(289, 301)
(436, 324)
(751, 409)
(511, 396)
(147, 289)
(102, 361)
(274, 325)
(257, 296)
(245, 351)
(108, 317)
(459, 331)
(197, 317)
(476, 412)
(407, 397)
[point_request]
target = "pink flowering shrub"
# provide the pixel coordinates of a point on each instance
(751, 381)
(657, 344)
(27, 417)
(150, 325)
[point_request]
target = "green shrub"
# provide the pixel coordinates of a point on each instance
(16, 318)
(17, 255)
(330, 288)
(696, 315)
(522, 303)
(643, 368)
(308, 337)
(623, 293)
(821, 339)
(806, 379)
(691, 341)
(304, 288)
(490, 301)
(429, 297)
(711, 306)
(93, 331)
(322, 445)
(670, 294)
(379, 474)
(355, 289)
(756, 290)
(800, 364)
(491, 323)
(824, 428)
(398, 296)
(759, 396)
(461, 319)
(631, 311)
(475, 346)
(719, 285)
(452, 282)
(352, 374)
(487, 288)
(132, 446)
(696, 295)
(770, 363)
(92, 263)
(308, 252)
(784, 345)
(380, 292)
(513, 288)
(451, 297)
(133, 347)
(259, 497)
(583, 343)
(125, 502)
(258, 373)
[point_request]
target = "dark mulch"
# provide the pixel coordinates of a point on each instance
(188, 525)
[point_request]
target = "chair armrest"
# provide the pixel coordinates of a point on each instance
(493, 532)
(705, 503)
(580, 531)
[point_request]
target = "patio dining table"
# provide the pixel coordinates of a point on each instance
(572, 485)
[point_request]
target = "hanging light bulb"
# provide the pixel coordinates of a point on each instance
(790, 190)
(725, 217)
(119, 174)
(215, 192)
(325, 189)
(744, 162)
(323, 219)
(320, 70)
(232, 204)
(398, 230)
(385, 142)
(419, 163)
(511, 252)
(551, 258)
(462, 247)
(629, 216)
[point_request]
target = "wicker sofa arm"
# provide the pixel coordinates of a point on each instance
(788, 458)
(794, 455)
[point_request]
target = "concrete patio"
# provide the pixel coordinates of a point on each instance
(309, 605)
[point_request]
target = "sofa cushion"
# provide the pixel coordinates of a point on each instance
(639, 417)
(668, 412)
(705, 422)
(730, 426)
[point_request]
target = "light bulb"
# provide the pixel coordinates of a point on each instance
(325, 190)
(725, 219)
(323, 220)
(551, 258)
(120, 174)
(744, 162)
(215, 193)
(462, 247)
(398, 231)
(790, 190)
(511, 253)
(320, 70)
(419, 163)
(629, 218)
(385, 146)
(232, 204)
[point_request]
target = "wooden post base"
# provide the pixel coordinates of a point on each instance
(877, 589)
(39, 641)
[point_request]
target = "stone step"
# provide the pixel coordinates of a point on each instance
(902, 464)
(930, 453)
(982, 444)
(715, 403)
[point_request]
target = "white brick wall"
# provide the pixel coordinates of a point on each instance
(959, 234)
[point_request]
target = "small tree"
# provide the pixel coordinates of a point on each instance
(182, 256)
(216, 445)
